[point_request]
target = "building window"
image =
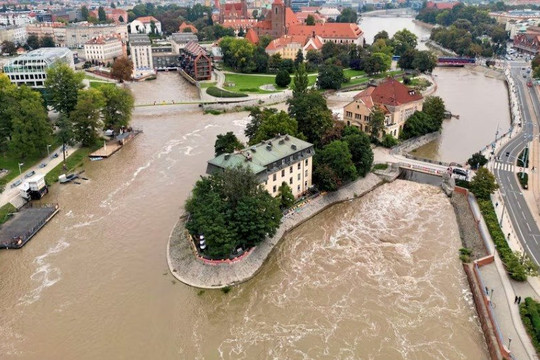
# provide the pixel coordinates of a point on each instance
(299, 166)
(306, 173)
(274, 177)
(348, 113)
(290, 181)
(305, 184)
(358, 116)
(282, 173)
(298, 188)
(307, 160)
(274, 189)
(290, 170)
(298, 176)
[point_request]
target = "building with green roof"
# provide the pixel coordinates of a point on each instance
(283, 158)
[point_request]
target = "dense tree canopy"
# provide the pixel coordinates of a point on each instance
(403, 40)
(312, 114)
(62, 86)
(86, 116)
(330, 77)
(117, 107)
(274, 124)
(227, 143)
(333, 166)
(361, 152)
(483, 184)
(477, 160)
(122, 69)
(348, 15)
(231, 210)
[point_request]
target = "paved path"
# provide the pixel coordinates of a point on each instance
(187, 268)
(10, 193)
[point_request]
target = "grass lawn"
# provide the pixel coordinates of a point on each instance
(249, 82)
(12, 164)
(5, 211)
(99, 84)
(207, 84)
(75, 160)
(350, 73)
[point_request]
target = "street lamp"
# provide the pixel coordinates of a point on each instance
(20, 164)
(509, 342)
(48, 153)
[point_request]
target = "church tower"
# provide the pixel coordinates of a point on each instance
(278, 19)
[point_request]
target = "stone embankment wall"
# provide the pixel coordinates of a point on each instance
(189, 269)
(474, 231)
(411, 144)
(238, 103)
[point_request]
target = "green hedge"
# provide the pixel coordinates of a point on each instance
(523, 179)
(217, 92)
(514, 266)
(529, 310)
(5, 211)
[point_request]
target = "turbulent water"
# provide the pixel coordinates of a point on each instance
(376, 278)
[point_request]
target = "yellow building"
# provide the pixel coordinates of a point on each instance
(396, 100)
(281, 159)
(287, 46)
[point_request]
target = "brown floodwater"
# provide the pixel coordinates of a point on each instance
(483, 108)
(376, 278)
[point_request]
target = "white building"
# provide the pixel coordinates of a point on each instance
(14, 33)
(140, 48)
(15, 18)
(103, 49)
(31, 69)
(143, 25)
(282, 159)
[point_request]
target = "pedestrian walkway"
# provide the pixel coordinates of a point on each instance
(504, 166)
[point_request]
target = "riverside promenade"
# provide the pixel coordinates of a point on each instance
(188, 268)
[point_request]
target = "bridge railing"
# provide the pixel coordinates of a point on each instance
(422, 168)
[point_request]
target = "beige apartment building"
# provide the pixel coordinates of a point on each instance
(281, 159)
(396, 100)
(103, 49)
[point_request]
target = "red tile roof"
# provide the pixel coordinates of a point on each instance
(195, 49)
(290, 18)
(147, 19)
(252, 37)
(285, 40)
(390, 92)
(185, 25)
(328, 30)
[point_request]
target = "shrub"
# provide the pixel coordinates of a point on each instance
(283, 79)
(389, 141)
(531, 320)
(514, 266)
(380, 166)
(217, 92)
(523, 179)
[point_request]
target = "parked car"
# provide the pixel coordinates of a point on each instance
(16, 183)
(29, 174)
(54, 156)
(42, 165)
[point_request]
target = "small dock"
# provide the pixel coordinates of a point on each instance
(112, 146)
(18, 230)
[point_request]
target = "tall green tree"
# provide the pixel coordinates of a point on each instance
(477, 160)
(227, 143)
(47, 41)
(86, 117)
(299, 59)
(257, 117)
(377, 62)
(31, 130)
(406, 60)
(9, 109)
(280, 123)
(65, 133)
(376, 123)
(338, 157)
(32, 41)
(102, 16)
(62, 86)
(381, 35)
(117, 108)
(84, 13)
(434, 107)
(283, 79)
(310, 20)
(286, 197)
(231, 209)
(330, 77)
(301, 81)
(361, 152)
(424, 61)
(483, 184)
(9, 47)
(403, 40)
(312, 114)
(348, 15)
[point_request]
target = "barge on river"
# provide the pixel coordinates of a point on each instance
(24, 224)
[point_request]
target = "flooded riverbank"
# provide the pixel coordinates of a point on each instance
(377, 277)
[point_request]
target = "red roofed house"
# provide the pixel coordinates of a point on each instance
(184, 26)
(339, 33)
(528, 42)
(396, 100)
(252, 37)
(287, 46)
(238, 24)
(231, 11)
(441, 5)
(302, 17)
(194, 60)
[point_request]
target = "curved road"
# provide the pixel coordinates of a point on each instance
(505, 168)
